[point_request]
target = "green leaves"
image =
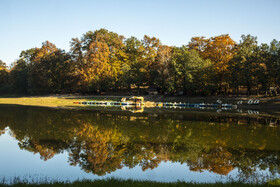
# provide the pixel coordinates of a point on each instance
(102, 60)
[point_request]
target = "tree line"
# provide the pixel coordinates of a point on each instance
(104, 61)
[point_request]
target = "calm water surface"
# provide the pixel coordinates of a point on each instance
(158, 144)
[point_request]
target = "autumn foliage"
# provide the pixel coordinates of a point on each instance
(101, 142)
(104, 61)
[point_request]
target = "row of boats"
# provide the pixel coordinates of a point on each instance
(137, 104)
(192, 105)
(108, 103)
(158, 104)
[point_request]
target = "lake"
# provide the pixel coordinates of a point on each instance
(158, 144)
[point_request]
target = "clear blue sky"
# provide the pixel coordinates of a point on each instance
(27, 23)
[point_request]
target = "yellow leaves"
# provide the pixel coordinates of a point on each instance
(100, 149)
(2, 131)
(163, 54)
(97, 66)
(123, 54)
(198, 43)
(46, 153)
(92, 133)
(46, 49)
(142, 70)
(98, 52)
(218, 49)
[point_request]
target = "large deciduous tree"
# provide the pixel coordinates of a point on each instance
(189, 70)
(273, 63)
(162, 72)
(151, 45)
(4, 78)
(136, 72)
(100, 57)
(244, 65)
(220, 50)
(50, 70)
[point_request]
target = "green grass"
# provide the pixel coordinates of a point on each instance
(53, 101)
(135, 183)
(275, 182)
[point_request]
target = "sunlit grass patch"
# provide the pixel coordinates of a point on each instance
(275, 182)
(53, 101)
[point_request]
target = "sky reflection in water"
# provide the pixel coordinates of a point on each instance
(48, 143)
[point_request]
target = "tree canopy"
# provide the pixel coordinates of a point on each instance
(102, 61)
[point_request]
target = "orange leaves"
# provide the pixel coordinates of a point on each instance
(98, 151)
(99, 50)
(150, 45)
(100, 57)
(199, 44)
(219, 49)
(2, 131)
(2, 65)
(46, 49)
(97, 66)
(217, 160)
(46, 153)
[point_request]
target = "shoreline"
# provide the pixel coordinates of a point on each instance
(269, 105)
(130, 182)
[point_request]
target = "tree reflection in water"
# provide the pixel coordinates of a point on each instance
(101, 142)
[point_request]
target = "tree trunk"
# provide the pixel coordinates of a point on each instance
(248, 89)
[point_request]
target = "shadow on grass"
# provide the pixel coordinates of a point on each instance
(97, 98)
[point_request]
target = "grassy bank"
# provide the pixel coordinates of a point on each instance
(129, 183)
(269, 105)
(53, 101)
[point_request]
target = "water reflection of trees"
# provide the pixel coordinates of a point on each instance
(102, 142)
(2, 131)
